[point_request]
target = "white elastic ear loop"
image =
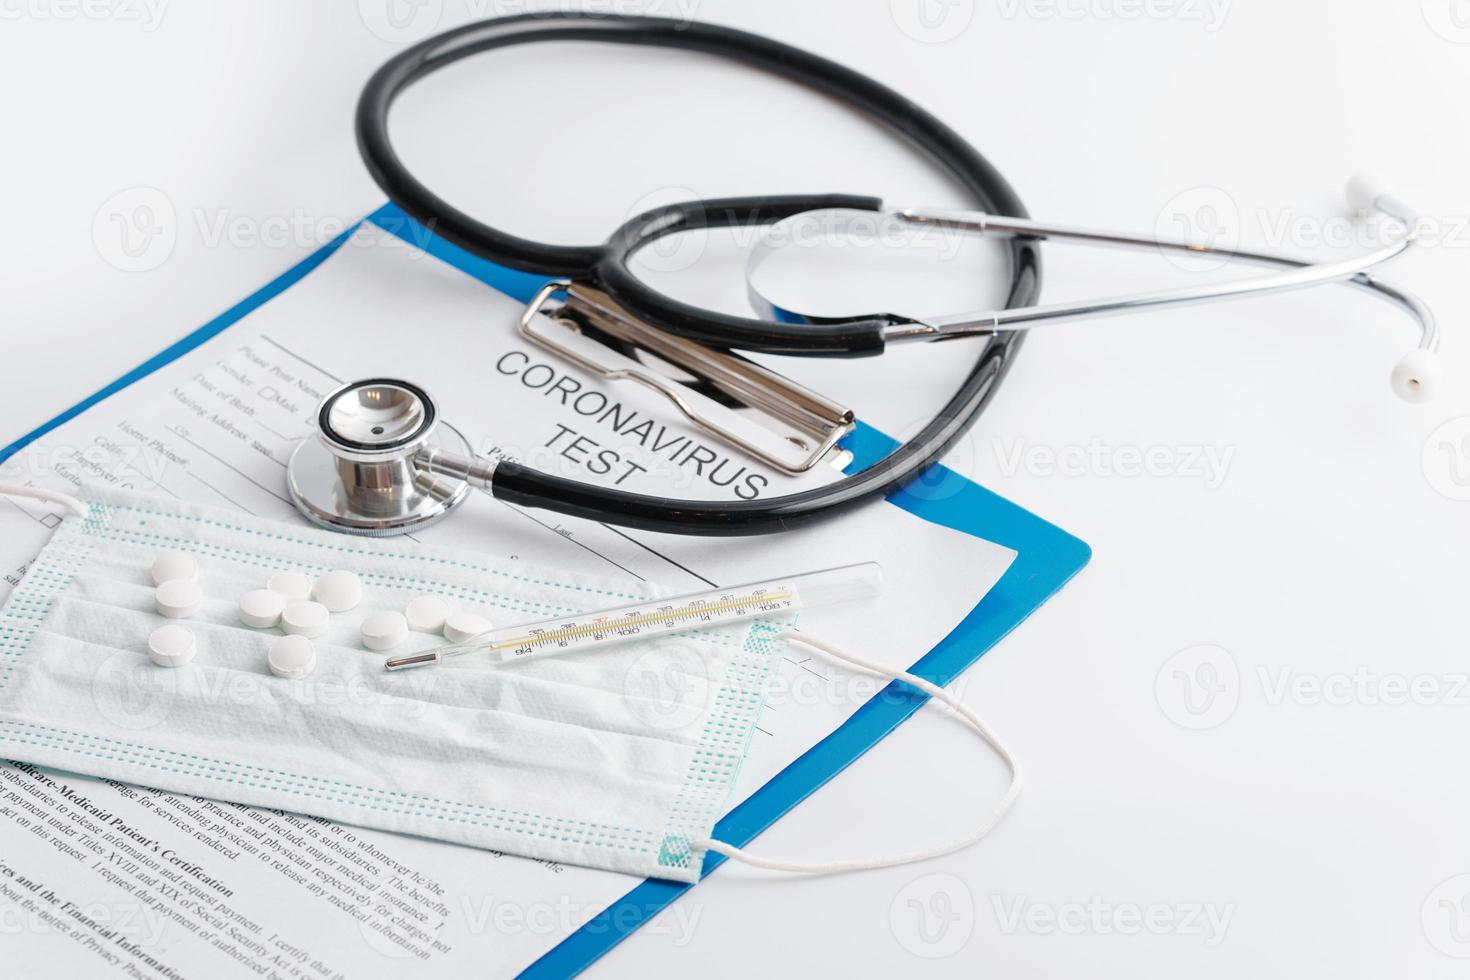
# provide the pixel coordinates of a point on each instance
(41, 493)
(938, 694)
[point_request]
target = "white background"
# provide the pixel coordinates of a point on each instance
(1327, 830)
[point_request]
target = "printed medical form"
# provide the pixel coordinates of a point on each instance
(99, 873)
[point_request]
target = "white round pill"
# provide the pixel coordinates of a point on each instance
(291, 656)
(427, 613)
(384, 630)
(171, 646)
(292, 585)
(173, 565)
(304, 617)
(178, 598)
(462, 626)
(339, 591)
(261, 608)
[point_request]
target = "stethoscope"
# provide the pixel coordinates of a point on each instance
(383, 462)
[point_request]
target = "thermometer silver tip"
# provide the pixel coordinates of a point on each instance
(412, 660)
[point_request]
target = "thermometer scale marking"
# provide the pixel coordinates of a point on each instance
(697, 613)
(649, 618)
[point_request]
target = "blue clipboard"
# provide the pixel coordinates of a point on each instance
(1046, 557)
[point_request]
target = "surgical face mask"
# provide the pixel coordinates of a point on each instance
(618, 758)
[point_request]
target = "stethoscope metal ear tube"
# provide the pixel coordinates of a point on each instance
(409, 469)
(1413, 377)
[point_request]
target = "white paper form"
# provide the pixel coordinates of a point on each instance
(82, 862)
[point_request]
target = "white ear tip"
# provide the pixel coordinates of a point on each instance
(1416, 375)
(1364, 190)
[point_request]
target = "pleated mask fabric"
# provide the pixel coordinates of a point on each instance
(616, 758)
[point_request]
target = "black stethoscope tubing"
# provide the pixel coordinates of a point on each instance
(605, 266)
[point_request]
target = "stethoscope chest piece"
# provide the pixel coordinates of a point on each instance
(369, 468)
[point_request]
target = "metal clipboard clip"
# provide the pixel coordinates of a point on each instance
(797, 427)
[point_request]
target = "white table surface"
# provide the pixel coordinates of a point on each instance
(1317, 807)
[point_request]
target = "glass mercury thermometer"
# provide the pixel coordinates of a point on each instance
(656, 617)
